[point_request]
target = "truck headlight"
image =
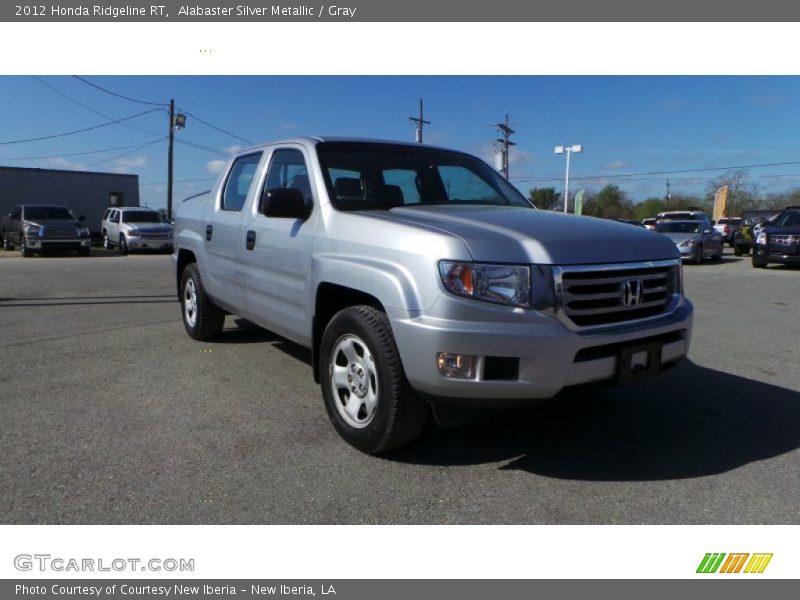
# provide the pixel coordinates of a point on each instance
(688, 242)
(84, 232)
(32, 230)
(761, 240)
(502, 284)
(133, 232)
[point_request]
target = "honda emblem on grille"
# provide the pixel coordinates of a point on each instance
(632, 292)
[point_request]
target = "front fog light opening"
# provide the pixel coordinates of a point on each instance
(457, 366)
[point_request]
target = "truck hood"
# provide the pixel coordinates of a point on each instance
(524, 235)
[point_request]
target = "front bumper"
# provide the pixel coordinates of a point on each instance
(57, 244)
(788, 256)
(148, 243)
(549, 356)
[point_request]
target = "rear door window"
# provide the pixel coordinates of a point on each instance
(239, 180)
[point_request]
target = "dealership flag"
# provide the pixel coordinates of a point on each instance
(720, 200)
(579, 202)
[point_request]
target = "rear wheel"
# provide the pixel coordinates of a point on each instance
(368, 399)
(201, 317)
(698, 255)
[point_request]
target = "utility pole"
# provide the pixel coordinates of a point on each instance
(504, 128)
(169, 156)
(419, 122)
(175, 122)
(668, 197)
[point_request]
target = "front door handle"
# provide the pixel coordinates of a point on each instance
(251, 240)
(209, 232)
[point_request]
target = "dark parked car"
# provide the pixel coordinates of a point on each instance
(743, 237)
(779, 240)
(38, 227)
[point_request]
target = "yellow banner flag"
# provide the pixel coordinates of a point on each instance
(720, 201)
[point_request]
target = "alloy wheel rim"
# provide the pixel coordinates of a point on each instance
(190, 303)
(354, 381)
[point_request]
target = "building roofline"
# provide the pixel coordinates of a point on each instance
(71, 172)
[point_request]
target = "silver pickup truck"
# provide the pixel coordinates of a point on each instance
(419, 277)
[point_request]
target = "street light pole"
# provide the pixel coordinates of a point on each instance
(175, 121)
(568, 150)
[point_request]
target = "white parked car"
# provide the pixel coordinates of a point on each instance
(135, 228)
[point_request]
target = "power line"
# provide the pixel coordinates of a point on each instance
(89, 108)
(179, 181)
(207, 124)
(75, 153)
(66, 133)
(202, 147)
(102, 89)
(140, 147)
(621, 175)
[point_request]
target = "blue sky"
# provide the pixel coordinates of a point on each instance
(627, 124)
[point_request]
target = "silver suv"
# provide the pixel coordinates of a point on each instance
(135, 228)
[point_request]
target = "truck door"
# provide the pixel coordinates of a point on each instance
(224, 234)
(279, 258)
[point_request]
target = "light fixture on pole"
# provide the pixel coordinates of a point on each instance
(568, 150)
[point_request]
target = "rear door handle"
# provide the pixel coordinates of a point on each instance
(251, 240)
(209, 232)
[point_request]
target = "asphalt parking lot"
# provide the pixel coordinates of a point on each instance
(110, 413)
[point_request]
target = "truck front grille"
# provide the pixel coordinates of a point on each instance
(595, 296)
(60, 231)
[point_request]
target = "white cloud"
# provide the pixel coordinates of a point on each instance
(216, 166)
(62, 163)
(137, 161)
(617, 164)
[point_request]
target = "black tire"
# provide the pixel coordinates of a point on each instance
(698, 255)
(718, 256)
(399, 415)
(106, 241)
(123, 244)
(757, 264)
(208, 319)
(5, 243)
(737, 250)
(23, 248)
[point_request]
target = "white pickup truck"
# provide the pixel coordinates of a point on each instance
(418, 276)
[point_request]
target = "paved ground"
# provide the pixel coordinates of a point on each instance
(109, 413)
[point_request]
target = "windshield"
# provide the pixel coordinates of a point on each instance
(141, 216)
(366, 176)
(49, 212)
(679, 227)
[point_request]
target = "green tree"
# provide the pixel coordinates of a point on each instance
(610, 202)
(648, 209)
(545, 198)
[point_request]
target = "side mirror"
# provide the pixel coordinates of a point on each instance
(708, 232)
(285, 203)
(713, 223)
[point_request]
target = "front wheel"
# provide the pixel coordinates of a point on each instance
(201, 317)
(106, 241)
(123, 244)
(368, 399)
(23, 247)
(757, 264)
